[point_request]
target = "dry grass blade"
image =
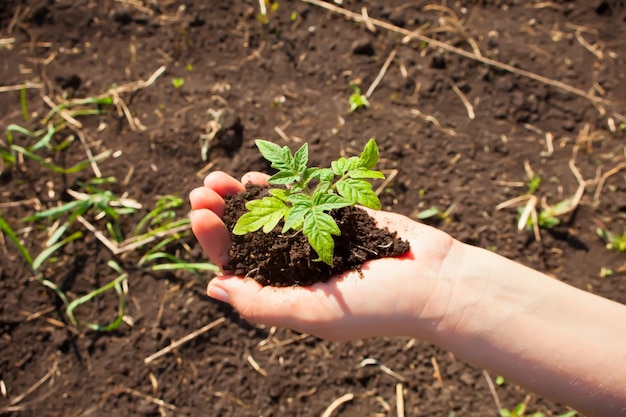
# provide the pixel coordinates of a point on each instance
(335, 404)
(436, 372)
(18, 87)
(492, 389)
(434, 121)
(400, 399)
(184, 340)
(466, 103)
(382, 73)
(284, 342)
(255, 365)
(385, 369)
(587, 45)
(36, 385)
(603, 178)
(449, 48)
(148, 398)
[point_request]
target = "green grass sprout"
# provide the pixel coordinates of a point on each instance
(520, 411)
(357, 100)
(614, 241)
(178, 82)
(120, 284)
(24, 105)
(305, 208)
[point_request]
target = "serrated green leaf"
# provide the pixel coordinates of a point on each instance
(358, 191)
(279, 193)
(369, 156)
(300, 199)
(343, 165)
(309, 174)
(265, 213)
(283, 178)
(301, 159)
(324, 174)
(319, 228)
(295, 216)
(269, 150)
(364, 173)
(326, 202)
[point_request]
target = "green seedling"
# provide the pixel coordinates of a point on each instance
(520, 411)
(100, 202)
(435, 212)
(119, 284)
(178, 82)
(24, 105)
(53, 124)
(266, 9)
(613, 241)
(535, 213)
(357, 100)
(163, 220)
(308, 195)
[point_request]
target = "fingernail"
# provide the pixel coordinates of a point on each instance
(218, 293)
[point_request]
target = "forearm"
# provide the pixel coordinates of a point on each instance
(562, 342)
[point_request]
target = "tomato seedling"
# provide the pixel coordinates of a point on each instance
(307, 195)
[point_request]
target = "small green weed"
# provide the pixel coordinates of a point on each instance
(178, 82)
(357, 100)
(520, 411)
(614, 241)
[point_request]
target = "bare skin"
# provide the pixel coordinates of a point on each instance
(557, 340)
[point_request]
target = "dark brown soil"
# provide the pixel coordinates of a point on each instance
(287, 81)
(283, 260)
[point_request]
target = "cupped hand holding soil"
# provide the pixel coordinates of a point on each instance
(383, 299)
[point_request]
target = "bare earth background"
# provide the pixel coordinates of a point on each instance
(459, 127)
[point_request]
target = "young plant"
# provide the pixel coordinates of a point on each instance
(614, 241)
(357, 100)
(308, 195)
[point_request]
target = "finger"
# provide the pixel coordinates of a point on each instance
(212, 234)
(207, 198)
(272, 306)
(223, 184)
(254, 177)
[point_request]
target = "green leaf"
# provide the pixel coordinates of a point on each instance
(324, 174)
(428, 213)
(271, 151)
(358, 191)
(319, 228)
(7, 230)
(369, 156)
(283, 178)
(326, 202)
(343, 165)
(295, 216)
(265, 213)
(301, 159)
(366, 173)
(279, 193)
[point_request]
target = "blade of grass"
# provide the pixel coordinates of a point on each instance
(45, 254)
(24, 104)
(57, 169)
(114, 284)
(8, 231)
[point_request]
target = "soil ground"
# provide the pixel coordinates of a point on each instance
(457, 131)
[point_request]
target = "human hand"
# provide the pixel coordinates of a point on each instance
(394, 296)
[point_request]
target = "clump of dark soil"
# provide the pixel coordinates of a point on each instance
(283, 260)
